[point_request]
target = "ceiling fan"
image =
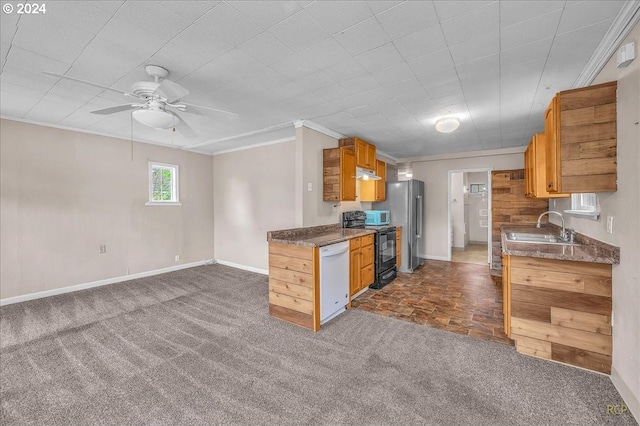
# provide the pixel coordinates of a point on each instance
(160, 101)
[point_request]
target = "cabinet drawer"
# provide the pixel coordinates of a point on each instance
(354, 243)
(367, 275)
(367, 255)
(367, 239)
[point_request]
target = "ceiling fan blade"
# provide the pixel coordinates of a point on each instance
(118, 108)
(184, 129)
(66, 77)
(199, 109)
(170, 91)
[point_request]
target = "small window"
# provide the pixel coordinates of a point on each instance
(163, 184)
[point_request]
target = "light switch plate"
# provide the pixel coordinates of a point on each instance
(610, 224)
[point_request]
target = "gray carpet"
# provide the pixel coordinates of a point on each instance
(197, 346)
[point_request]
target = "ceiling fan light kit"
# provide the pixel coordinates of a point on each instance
(156, 118)
(155, 96)
(447, 124)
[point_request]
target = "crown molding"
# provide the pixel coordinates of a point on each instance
(458, 155)
(620, 28)
(318, 128)
(258, 145)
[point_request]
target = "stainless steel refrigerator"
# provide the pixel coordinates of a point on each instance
(405, 202)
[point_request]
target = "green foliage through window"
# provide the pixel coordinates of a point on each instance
(163, 183)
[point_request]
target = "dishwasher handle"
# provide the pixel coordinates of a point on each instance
(334, 252)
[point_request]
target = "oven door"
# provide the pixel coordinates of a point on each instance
(386, 249)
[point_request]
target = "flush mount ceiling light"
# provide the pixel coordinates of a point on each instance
(447, 124)
(156, 118)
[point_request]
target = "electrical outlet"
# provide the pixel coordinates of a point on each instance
(102, 248)
(309, 187)
(177, 258)
(610, 224)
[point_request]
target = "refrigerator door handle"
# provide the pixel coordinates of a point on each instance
(419, 216)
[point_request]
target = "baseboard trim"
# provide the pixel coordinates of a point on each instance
(99, 283)
(437, 258)
(629, 398)
(243, 267)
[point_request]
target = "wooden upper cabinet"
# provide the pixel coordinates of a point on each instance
(338, 175)
(347, 175)
(375, 190)
(365, 152)
(552, 146)
(535, 169)
(581, 140)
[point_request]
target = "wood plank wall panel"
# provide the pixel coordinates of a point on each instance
(509, 206)
(331, 174)
(588, 139)
(293, 286)
(558, 313)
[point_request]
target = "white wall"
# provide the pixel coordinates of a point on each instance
(64, 193)
(457, 210)
(477, 202)
(624, 206)
(253, 192)
(435, 173)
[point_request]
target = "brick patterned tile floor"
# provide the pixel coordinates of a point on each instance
(458, 297)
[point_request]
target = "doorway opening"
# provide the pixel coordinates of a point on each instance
(469, 216)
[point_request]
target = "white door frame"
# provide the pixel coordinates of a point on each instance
(449, 224)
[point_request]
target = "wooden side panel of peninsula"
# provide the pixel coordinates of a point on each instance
(561, 310)
(294, 284)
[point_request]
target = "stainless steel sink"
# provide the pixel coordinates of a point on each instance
(525, 237)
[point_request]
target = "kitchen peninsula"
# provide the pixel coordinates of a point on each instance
(557, 297)
(294, 270)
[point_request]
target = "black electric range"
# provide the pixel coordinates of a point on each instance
(384, 246)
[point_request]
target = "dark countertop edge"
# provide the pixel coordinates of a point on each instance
(601, 252)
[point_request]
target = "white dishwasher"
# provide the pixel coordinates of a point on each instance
(334, 280)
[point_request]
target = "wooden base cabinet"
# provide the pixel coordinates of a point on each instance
(294, 284)
(559, 310)
(398, 246)
(362, 269)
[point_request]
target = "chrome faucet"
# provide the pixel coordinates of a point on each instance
(563, 232)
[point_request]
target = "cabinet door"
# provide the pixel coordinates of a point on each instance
(371, 157)
(367, 276)
(355, 269)
(506, 293)
(552, 148)
(347, 175)
(381, 170)
(398, 247)
(361, 153)
(367, 255)
(528, 171)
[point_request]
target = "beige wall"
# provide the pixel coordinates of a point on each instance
(435, 174)
(253, 193)
(623, 206)
(64, 193)
(314, 211)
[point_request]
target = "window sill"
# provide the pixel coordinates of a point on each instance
(163, 203)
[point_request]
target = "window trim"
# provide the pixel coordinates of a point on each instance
(175, 184)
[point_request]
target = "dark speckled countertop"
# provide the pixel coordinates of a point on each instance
(590, 250)
(316, 236)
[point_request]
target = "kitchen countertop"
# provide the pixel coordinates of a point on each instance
(590, 250)
(316, 236)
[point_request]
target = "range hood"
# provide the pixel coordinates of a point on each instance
(365, 174)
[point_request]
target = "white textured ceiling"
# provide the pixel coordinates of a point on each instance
(381, 70)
